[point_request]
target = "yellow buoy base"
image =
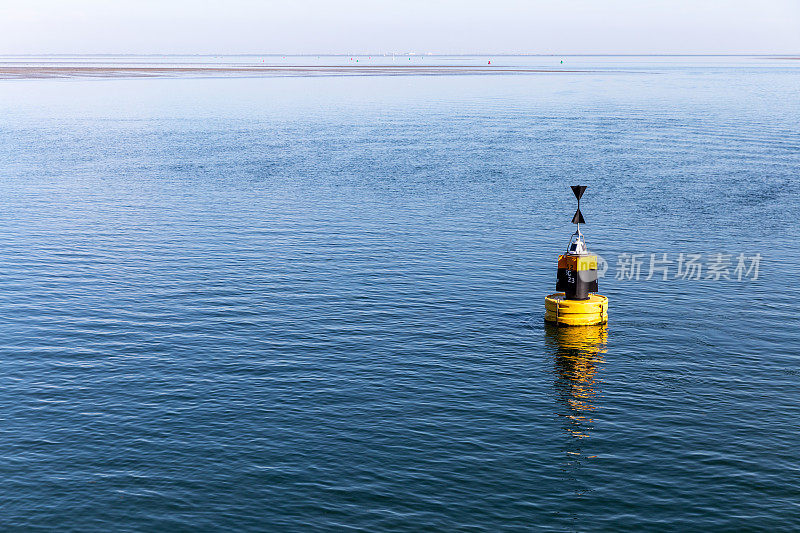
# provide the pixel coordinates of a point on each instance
(563, 312)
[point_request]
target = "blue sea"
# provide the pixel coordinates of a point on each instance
(315, 302)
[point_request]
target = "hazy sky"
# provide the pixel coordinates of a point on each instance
(351, 26)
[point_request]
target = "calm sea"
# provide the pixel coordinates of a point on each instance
(314, 303)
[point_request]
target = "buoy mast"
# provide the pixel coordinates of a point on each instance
(578, 304)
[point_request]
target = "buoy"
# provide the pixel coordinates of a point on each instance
(578, 304)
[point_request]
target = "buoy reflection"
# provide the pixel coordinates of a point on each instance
(578, 354)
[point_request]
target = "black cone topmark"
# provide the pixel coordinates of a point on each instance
(578, 190)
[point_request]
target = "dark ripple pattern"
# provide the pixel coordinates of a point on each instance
(315, 304)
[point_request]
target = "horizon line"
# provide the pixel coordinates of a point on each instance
(420, 54)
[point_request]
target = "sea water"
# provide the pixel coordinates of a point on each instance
(315, 303)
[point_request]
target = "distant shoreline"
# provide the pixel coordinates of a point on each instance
(400, 54)
(46, 72)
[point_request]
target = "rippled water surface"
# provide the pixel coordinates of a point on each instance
(315, 303)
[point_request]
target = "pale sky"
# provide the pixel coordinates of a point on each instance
(438, 26)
